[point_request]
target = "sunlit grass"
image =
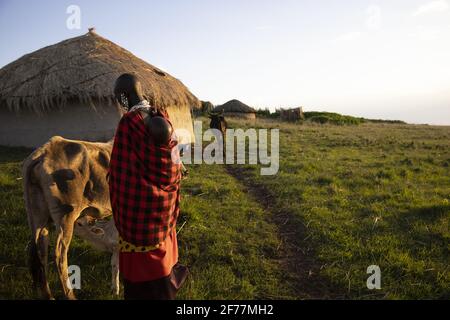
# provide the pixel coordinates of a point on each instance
(370, 195)
(359, 195)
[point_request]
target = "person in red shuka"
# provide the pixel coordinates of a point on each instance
(144, 185)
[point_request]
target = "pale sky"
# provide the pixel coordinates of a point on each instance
(379, 59)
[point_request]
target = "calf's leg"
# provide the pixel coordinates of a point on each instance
(115, 272)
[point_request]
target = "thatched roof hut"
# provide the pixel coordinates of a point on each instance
(67, 89)
(235, 108)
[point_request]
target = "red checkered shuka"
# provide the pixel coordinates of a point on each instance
(144, 183)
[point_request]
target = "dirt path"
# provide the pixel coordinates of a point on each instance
(299, 261)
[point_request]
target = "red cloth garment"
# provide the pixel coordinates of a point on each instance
(165, 288)
(144, 183)
(151, 265)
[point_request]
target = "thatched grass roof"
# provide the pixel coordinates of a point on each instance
(83, 69)
(234, 106)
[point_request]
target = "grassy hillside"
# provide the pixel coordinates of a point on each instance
(345, 197)
(367, 195)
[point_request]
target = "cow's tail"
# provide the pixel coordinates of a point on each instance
(37, 269)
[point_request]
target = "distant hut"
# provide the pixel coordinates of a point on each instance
(235, 108)
(292, 115)
(67, 89)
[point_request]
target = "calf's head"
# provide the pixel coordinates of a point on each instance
(100, 234)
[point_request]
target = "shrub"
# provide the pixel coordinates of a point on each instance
(320, 119)
(265, 113)
(332, 118)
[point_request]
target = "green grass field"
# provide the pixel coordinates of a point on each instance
(345, 198)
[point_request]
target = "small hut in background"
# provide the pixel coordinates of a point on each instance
(66, 89)
(235, 108)
(292, 115)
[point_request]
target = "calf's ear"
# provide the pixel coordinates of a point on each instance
(97, 231)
